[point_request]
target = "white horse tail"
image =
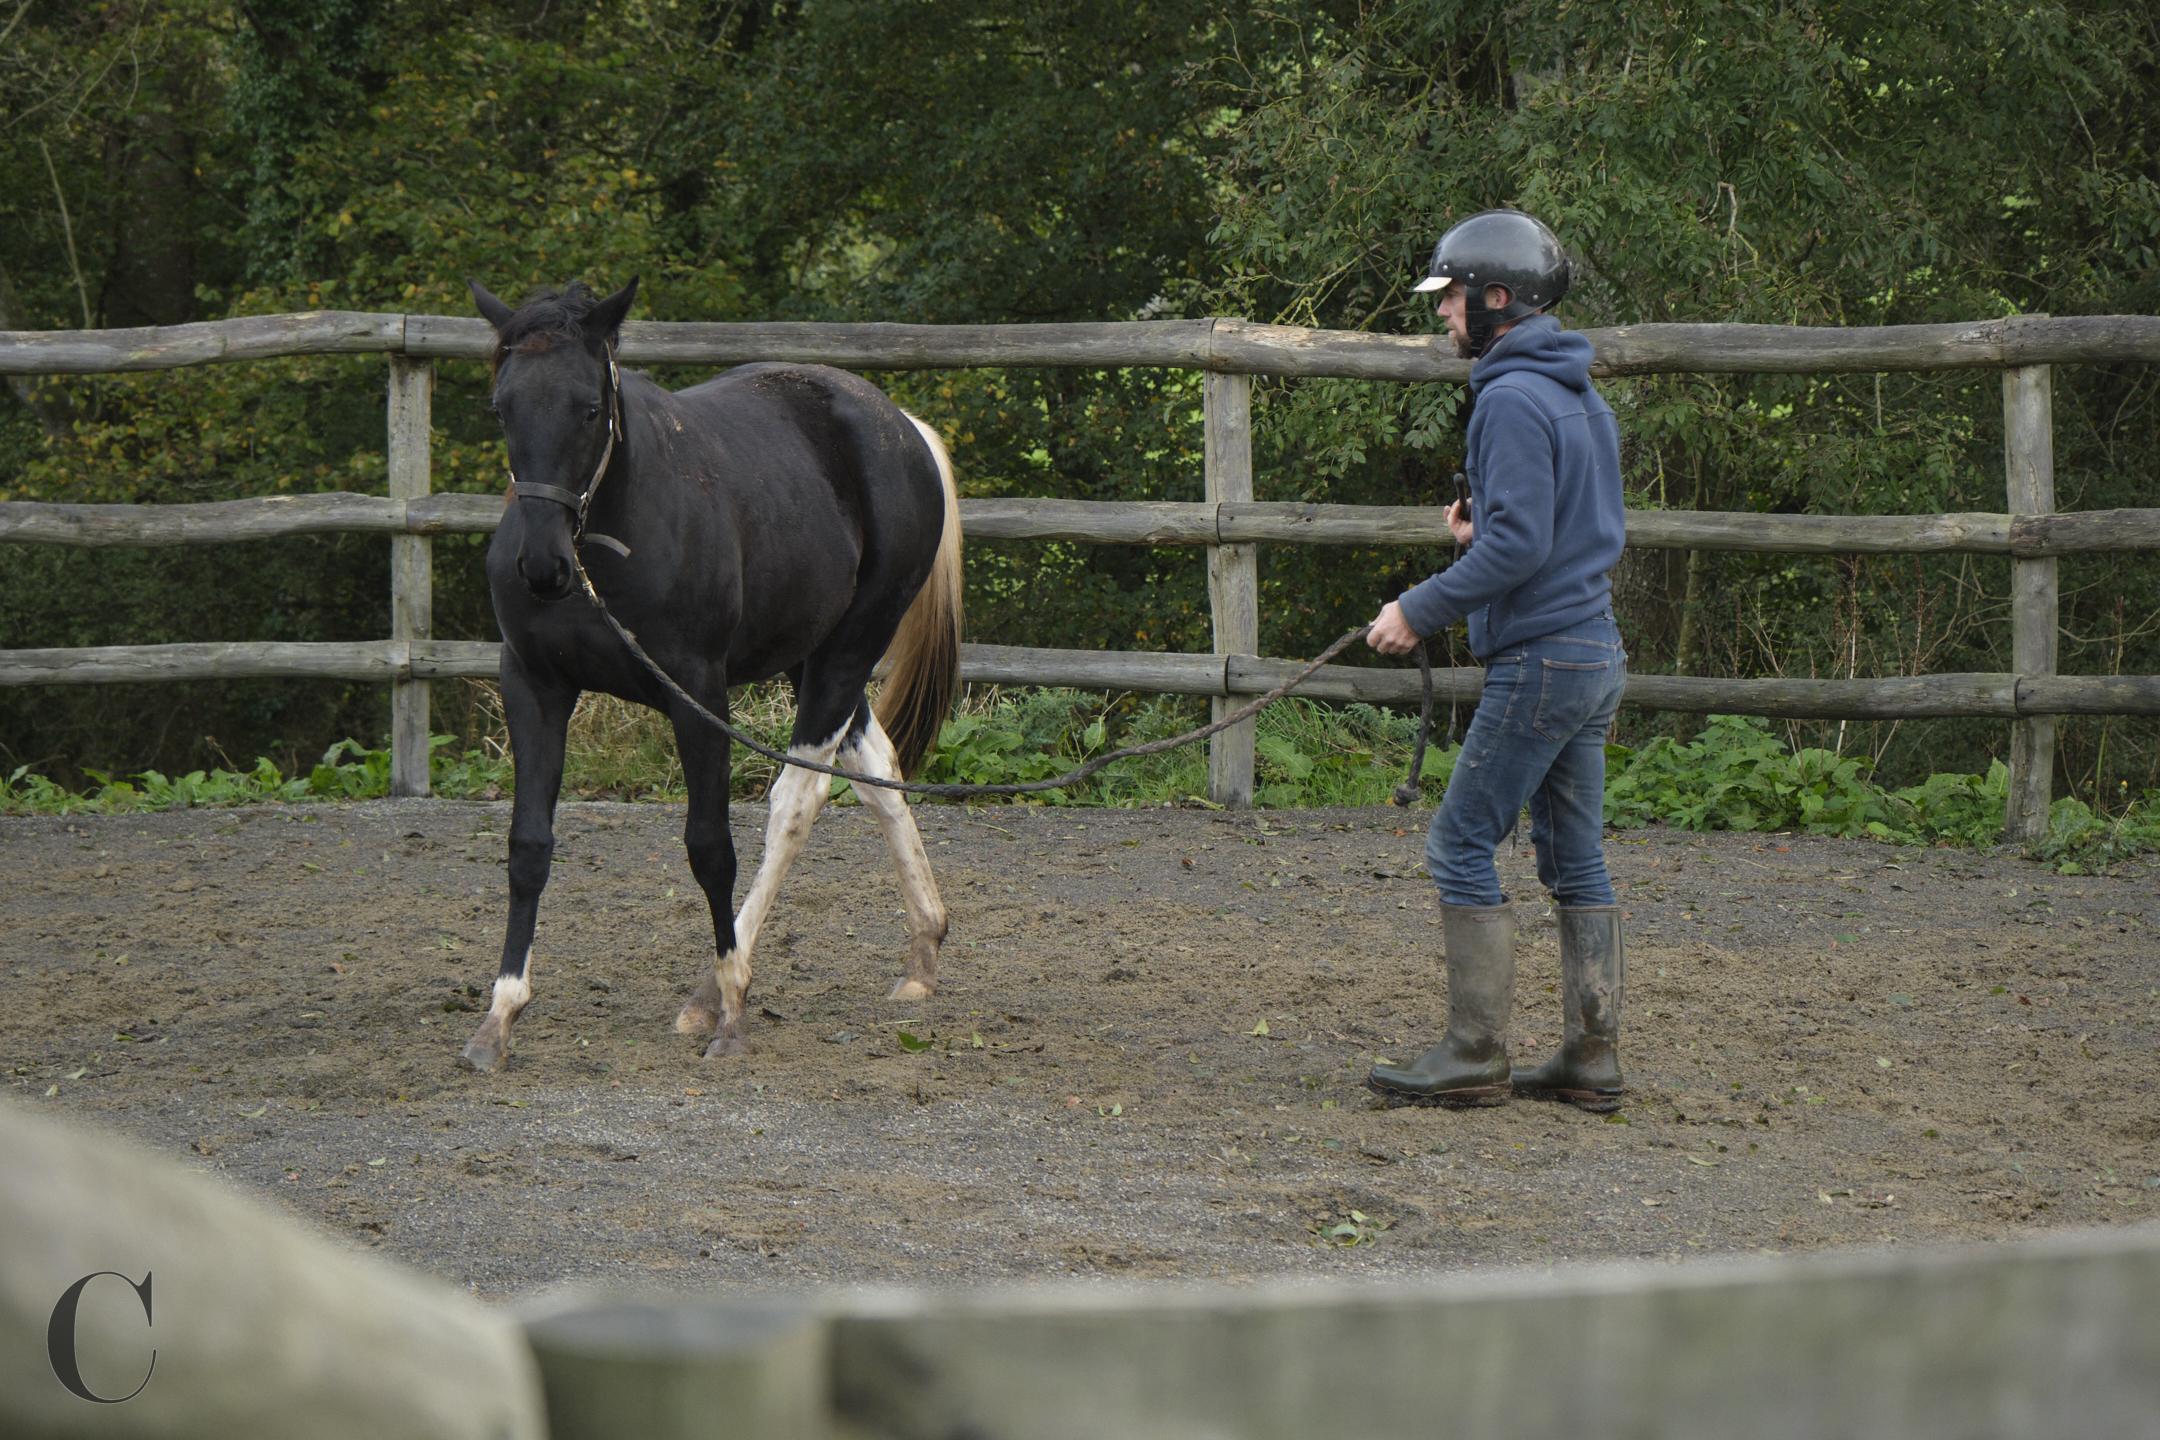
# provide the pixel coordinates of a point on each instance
(924, 657)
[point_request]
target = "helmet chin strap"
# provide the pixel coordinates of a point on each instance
(1479, 321)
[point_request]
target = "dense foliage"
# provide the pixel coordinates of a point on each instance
(1815, 162)
(1781, 163)
(1735, 775)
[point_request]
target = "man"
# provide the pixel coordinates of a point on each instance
(1543, 530)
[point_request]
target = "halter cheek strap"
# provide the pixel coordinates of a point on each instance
(579, 504)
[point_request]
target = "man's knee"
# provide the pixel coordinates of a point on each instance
(1443, 852)
(1463, 872)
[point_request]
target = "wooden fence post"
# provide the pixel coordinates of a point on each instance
(412, 583)
(2029, 460)
(1233, 580)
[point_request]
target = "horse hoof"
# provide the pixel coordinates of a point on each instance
(724, 1046)
(911, 989)
(695, 1019)
(483, 1059)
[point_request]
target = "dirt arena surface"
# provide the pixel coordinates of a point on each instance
(1144, 1060)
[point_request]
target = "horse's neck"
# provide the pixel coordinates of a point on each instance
(646, 410)
(648, 454)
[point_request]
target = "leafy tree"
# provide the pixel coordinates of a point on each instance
(1819, 163)
(1032, 161)
(1778, 163)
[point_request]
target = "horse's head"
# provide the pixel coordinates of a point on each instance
(557, 393)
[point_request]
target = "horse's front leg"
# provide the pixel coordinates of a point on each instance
(716, 1008)
(539, 717)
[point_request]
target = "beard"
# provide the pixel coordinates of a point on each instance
(1462, 346)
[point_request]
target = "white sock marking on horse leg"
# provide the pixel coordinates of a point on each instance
(872, 754)
(512, 992)
(797, 798)
(793, 805)
(490, 1044)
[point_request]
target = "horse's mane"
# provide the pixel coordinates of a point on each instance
(545, 317)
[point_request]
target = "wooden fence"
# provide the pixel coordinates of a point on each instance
(1229, 522)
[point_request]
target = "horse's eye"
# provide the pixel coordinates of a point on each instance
(592, 412)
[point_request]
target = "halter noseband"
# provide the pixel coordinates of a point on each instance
(578, 503)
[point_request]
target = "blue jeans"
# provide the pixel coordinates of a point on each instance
(1538, 738)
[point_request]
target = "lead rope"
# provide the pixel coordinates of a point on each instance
(1410, 791)
(1031, 787)
(1454, 704)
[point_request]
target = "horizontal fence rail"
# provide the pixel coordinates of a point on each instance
(1236, 346)
(1981, 695)
(1229, 523)
(1116, 522)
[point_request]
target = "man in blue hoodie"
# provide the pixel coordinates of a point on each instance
(1542, 532)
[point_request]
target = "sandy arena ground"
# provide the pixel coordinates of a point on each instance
(1145, 1058)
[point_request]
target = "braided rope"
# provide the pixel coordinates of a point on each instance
(1029, 787)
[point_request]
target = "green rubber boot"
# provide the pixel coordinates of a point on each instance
(1593, 971)
(1470, 1065)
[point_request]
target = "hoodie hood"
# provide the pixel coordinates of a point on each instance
(1540, 346)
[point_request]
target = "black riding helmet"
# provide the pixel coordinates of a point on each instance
(1499, 247)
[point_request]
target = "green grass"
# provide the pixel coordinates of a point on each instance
(1737, 774)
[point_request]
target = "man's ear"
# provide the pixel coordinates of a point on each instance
(1497, 297)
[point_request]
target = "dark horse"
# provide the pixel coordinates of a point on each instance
(780, 519)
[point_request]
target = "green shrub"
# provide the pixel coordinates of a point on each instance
(1964, 809)
(2078, 841)
(348, 770)
(1736, 774)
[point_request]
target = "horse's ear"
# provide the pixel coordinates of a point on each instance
(605, 318)
(497, 313)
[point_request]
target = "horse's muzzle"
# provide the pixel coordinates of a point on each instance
(549, 577)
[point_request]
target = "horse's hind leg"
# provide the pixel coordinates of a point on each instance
(539, 716)
(716, 1007)
(869, 752)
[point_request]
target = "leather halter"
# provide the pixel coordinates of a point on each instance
(579, 503)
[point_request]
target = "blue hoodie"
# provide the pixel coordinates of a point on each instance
(1544, 467)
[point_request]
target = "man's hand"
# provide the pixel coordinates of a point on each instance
(1390, 633)
(1458, 522)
